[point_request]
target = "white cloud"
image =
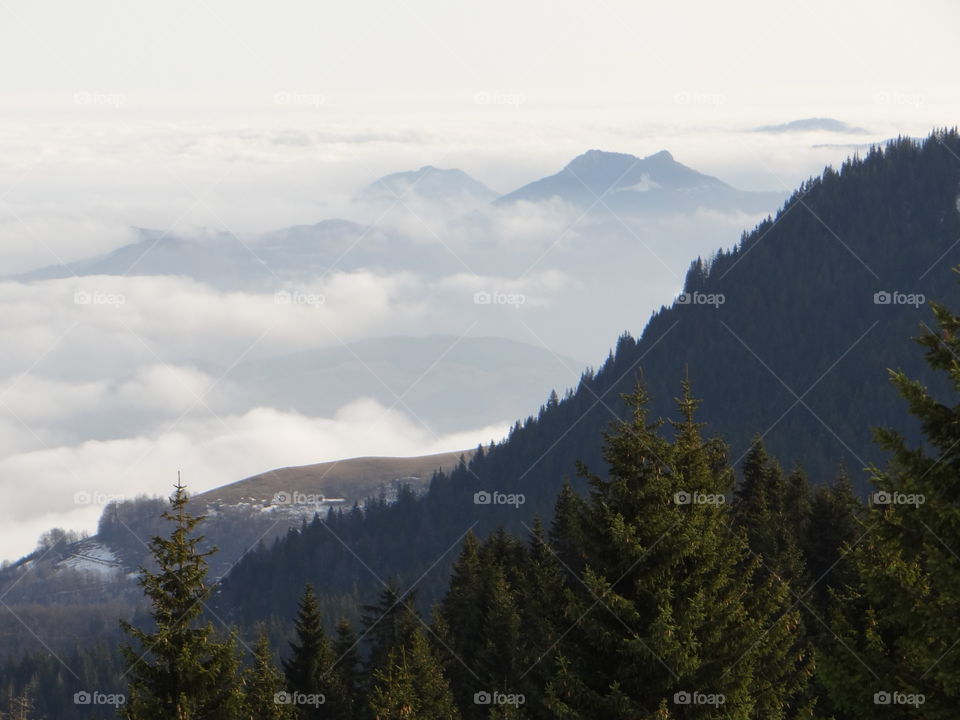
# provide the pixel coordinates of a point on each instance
(540, 289)
(39, 485)
(35, 239)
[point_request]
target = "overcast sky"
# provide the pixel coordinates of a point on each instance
(760, 54)
(140, 105)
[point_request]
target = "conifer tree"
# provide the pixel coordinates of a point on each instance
(895, 620)
(263, 686)
(499, 660)
(313, 682)
(766, 508)
(347, 664)
(541, 598)
(411, 685)
(393, 696)
(835, 523)
(390, 623)
(460, 607)
(566, 531)
(663, 610)
(459, 621)
(22, 705)
(180, 670)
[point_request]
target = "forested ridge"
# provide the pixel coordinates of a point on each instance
(798, 351)
(675, 588)
(686, 535)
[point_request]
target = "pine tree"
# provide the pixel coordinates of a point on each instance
(499, 660)
(541, 599)
(394, 696)
(895, 620)
(264, 685)
(313, 683)
(663, 608)
(459, 622)
(389, 624)
(835, 522)
(346, 654)
(566, 531)
(411, 685)
(757, 499)
(460, 607)
(22, 704)
(770, 510)
(181, 669)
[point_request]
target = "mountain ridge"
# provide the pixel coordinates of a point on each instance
(750, 331)
(621, 182)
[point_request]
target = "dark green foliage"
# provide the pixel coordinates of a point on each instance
(263, 685)
(566, 531)
(389, 624)
(895, 618)
(179, 669)
(787, 597)
(49, 683)
(835, 523)
(346, 653)
(774, 513)
(314, 683)
(411, 685)
(798, 351)
(666, 604)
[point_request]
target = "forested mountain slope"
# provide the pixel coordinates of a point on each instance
(789, 335)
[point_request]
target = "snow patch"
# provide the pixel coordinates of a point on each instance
(646, 184)
(91, 557)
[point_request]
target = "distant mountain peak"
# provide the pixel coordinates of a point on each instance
(813, 124)
(604, 181)
(594, 157)
(444, 186)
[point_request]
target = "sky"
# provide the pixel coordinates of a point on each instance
(210, 116)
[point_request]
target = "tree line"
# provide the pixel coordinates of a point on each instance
(671, 589)
(798, 350)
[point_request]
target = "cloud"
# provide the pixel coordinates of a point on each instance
(110, 384)
(34, 239)
(39, 486)
(95, 326)
(538, 289)
(114, 383)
